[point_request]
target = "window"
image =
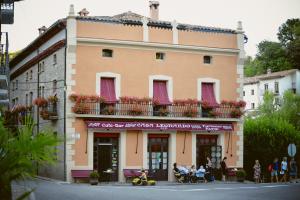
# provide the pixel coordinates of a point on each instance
(252, 92)
(108, 89)
(30, 98)
(243, 93)
(252, 105)
(207, 59)
(107, 53)
(276, 87)
(17, 83)
(13, 86)
(43, 91)
(160, 56)
(160, 92)
(26, 100)
(54, 86)
(17, 101)
(277, 101)
(43, 66)
(27, 76)
(54, 59)
(208, 93)
(266, 87)
(30, 77)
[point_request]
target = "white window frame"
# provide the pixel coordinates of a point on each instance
(117, 79)
(216, 83)
(169, 81)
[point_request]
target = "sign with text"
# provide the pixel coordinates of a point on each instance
(159, 126)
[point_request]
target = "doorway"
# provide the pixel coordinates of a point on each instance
(158, 145)
(106, 156)
(207, 147)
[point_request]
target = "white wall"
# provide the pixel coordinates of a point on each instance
(249, 98)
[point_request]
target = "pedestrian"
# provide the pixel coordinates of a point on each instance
(293, 169)
(274, 170)
(257, 171)
(209, 173)
(224, 168)
(284, 169)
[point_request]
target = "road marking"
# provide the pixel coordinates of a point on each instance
(223, 188)
(274, 186)
(250, 187)
(193, 190)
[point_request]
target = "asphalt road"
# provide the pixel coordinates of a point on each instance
(52, 190)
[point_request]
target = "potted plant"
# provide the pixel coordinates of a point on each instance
(94, 176)
(108, 110)
(236, 113)
(206, 108)
(163, 112)
(135, 110)
(190, 112)
(240, 175)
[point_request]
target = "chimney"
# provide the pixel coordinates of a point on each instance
(42, 30)
(269, 71)
(154, 9)
(83, 12)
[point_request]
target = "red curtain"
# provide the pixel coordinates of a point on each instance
(208, 93)
(160, 92)
(108, 90)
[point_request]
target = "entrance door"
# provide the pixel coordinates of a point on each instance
(106, 156)
(158, 156)
(207, 147)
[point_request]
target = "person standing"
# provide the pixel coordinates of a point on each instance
(224, 168)
(284, 169)
(257, 171)
(293, 169)
(274, 171)
(209, 169)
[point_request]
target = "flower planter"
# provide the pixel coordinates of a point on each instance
(93, 181)
(206, 112)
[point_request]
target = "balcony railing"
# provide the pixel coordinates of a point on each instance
(150, 110)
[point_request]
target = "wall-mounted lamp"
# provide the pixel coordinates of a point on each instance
(75, 136)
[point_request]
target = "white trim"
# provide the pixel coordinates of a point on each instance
(175, 32)
(194, 148)
(117, 78)
(216, 83)
(145, 29)
(172, 156)
(156, 46)
(145, 150)
(122, 155)
(161, 78)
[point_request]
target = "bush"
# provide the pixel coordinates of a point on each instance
(241, 173)
(94, 174)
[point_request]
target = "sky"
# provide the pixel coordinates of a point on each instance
(261, 18)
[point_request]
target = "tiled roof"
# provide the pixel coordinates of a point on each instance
(132, 18)
(280, 74)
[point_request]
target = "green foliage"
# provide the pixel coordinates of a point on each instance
(20, 154)
(94, 174)
(241, 173)
(289, 36)
(268, 134)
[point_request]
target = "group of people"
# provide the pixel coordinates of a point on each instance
(277, 169)
(185, 174)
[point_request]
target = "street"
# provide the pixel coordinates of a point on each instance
(48, 190)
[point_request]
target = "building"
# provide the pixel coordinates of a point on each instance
(144, 69)
(276, 82)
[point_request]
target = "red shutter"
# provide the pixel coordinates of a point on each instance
(208, 93)
(108, 90)
(160, 92)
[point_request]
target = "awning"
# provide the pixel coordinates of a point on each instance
(208, 94)
(108, 90)
(160, 92)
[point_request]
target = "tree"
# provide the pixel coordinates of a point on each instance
(20, 153)
(272, 55)
(289, 36)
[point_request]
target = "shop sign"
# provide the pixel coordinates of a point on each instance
(159, 126)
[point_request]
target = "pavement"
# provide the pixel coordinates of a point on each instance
(46, 189)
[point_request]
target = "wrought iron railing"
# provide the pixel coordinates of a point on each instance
(150, 110)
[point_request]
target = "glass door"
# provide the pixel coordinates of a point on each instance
(158, 157)
(106, 157)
